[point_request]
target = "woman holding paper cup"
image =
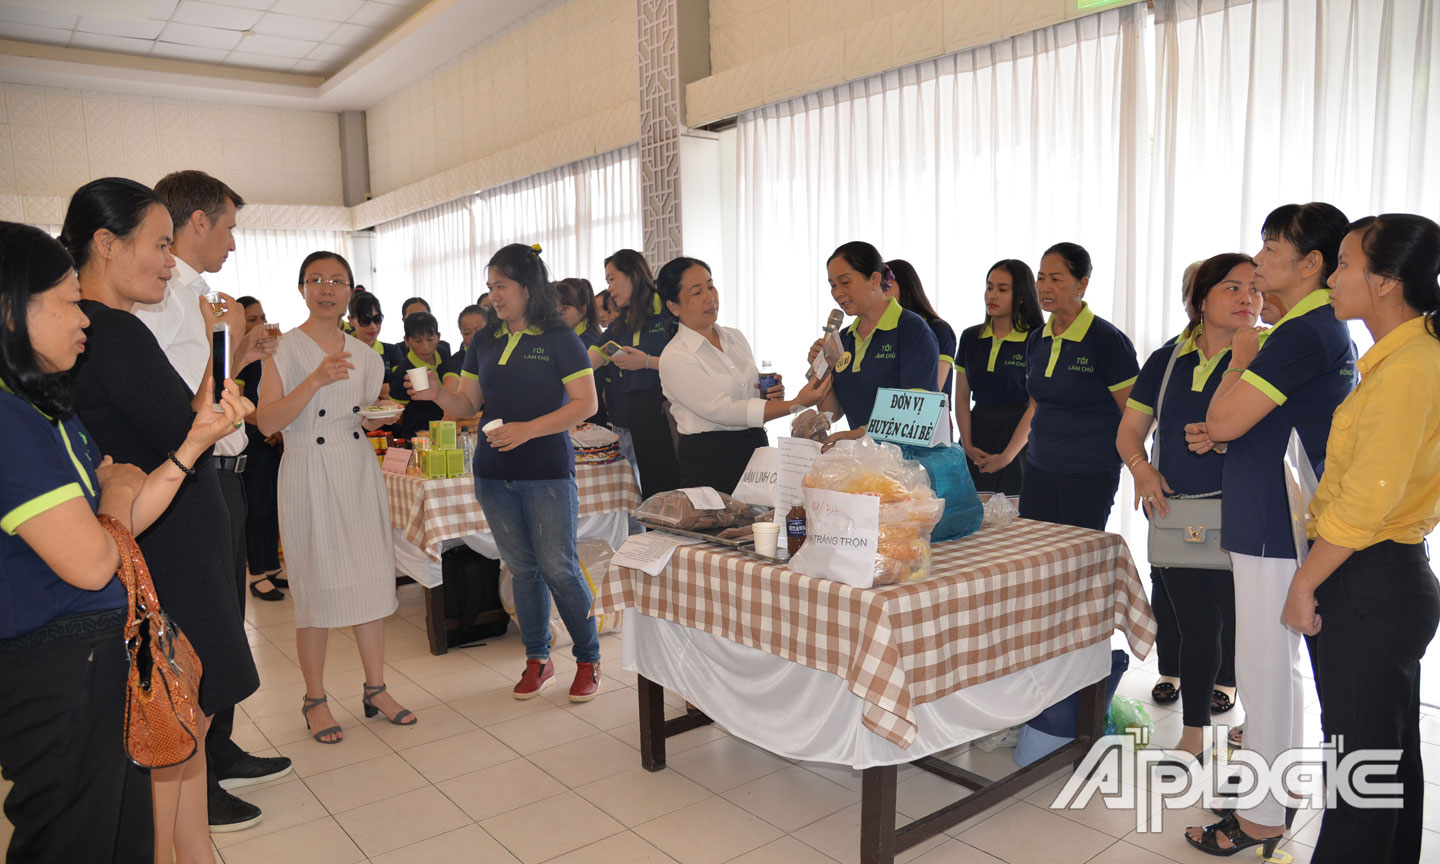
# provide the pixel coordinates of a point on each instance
(1223, 298)
(334, 514)
(1366, 590)
(1294, 380)
(709, 375)
(885, 345)
(533, 376)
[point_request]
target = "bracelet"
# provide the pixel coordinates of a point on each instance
(1130, 463)
(1231, 369)
(189, 472)
(647, 361)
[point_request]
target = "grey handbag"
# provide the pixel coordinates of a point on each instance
(1189, 535)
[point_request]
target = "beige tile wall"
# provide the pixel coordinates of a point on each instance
(765, 51)
(558, 86)
(52, 141)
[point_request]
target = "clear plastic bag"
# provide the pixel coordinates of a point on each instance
(812, 424)
(999, 511)
(909, 509)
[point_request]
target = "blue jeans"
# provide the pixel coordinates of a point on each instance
(535, 523)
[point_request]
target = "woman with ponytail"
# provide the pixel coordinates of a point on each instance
(1365, 590)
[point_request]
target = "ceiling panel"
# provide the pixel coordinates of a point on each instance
(239, 33)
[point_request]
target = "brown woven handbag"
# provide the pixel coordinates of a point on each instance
(162, 691)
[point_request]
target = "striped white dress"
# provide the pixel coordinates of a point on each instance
(334, 513)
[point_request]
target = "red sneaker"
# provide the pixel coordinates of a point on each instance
(587, 682)
(538, 675)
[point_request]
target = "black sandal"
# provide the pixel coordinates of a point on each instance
(1230, 827)
(277, 579)
(1220, 702)
(268, 594)
(1165, 693)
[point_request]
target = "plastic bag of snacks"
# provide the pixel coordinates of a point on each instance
(683, 509)
(811, 424)
(907, 512)
(999, 511)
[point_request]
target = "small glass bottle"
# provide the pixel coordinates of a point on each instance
(795, 526)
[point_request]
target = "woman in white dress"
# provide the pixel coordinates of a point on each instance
(334, 519)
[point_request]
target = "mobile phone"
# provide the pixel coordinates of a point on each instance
(610, 349)
(219, 361)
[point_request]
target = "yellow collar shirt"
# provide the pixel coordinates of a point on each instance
(1382, 462)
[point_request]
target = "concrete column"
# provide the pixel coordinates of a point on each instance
(354, 158)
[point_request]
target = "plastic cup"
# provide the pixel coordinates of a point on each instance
(767, 537)
(217, 305)
(419, 378)
(272, 331)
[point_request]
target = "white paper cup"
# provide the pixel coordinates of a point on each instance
(767, 536)
(492, 426)
(419, 378)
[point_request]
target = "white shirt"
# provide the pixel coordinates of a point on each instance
(711, 390)
(184, 335)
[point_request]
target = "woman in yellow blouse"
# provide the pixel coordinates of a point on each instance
(1366, 587)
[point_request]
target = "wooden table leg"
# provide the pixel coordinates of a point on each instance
(435, 619)
(652, 724)
(877, 815)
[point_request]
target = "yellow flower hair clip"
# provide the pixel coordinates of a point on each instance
(536, 247)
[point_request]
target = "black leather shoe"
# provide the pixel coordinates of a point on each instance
(228, 813)
(251, 770)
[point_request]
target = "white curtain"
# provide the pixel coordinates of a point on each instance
(266, 265)
(578, 213)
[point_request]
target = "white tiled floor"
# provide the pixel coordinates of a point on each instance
(485, 778)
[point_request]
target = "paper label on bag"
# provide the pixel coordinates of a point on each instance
(796, 456)
(704, 498)
(758, 483)
(842, 535)
(918, 417)
(650, 552)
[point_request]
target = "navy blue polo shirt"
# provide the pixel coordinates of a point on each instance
(1306, 365)
(900, 353)
(652, 337)
(945, 339)
(994, 368)
(1072, 378)
(42, 466)
(1192, 382)
(417, 415)
(451, 368)
(523, 376)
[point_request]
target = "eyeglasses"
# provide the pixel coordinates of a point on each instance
(367, 320)
(333, 283)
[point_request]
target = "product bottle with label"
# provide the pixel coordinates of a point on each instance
(795, 526)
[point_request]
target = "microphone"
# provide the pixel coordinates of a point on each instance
(833, 324)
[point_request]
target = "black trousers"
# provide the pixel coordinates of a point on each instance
(1082, 500)
(220, 751)
(1201, 607)
(1378, 613)
(654, 448)
(718, 459)
(991, 427)
(1167, 635)
(262, 516)
(62, 713)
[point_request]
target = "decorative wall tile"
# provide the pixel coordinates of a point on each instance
(916, 33)
(867, 48)
(67, 145)
(29, 142)
(65, 110)
(968, 24)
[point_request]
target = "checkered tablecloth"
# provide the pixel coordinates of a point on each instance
(1002, 599)
(429, 512)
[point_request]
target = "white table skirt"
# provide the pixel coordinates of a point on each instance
(802, 713)
(613, 528)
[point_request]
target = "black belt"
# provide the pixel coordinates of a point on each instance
(84, 625)
(234, 464)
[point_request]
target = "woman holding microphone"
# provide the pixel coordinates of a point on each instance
(708, 373)
(885, 345)
(532, 375)
(1366, 591)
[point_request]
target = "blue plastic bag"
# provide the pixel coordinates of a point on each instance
(951, 480)
(1055, 726)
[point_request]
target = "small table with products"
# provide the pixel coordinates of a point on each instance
(1013, 620)
(429, 515)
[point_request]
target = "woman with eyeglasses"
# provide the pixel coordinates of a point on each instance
(334, 515)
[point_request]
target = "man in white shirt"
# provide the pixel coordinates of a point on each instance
(203, 209)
